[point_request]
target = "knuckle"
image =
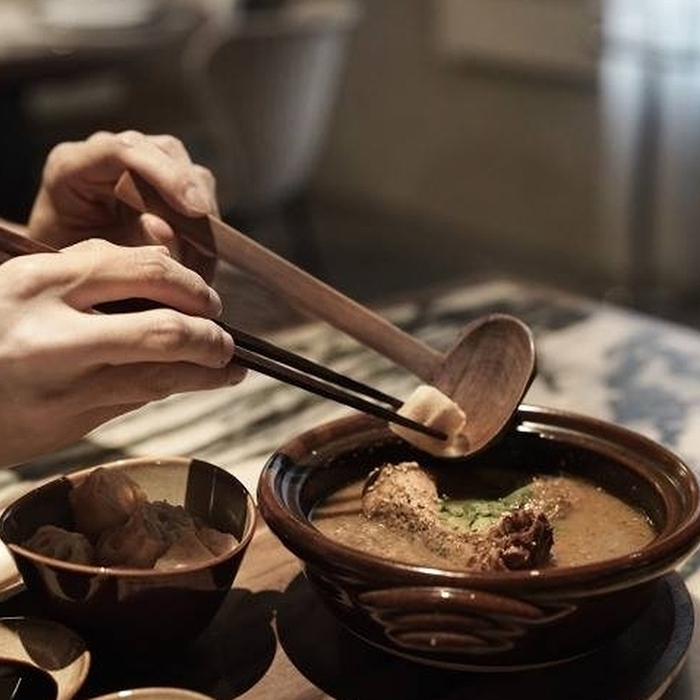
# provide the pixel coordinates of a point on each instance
(22, 277)
(169, 333)
(130, 138)
(57, 154)
(221, 346)
(152, 263)
(95, 245)
(178, 337)
(205, 174)
(100, 136)
(24, 345)
(171, 143)
(59, 161)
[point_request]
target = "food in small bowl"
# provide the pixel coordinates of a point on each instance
(140, 551)
(533, 552)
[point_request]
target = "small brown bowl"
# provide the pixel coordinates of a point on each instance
(485, 621)
(130, 607)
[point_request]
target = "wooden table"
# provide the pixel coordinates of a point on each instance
(274, 639)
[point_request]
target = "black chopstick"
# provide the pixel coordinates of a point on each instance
(266, 358)
(274, 352)
(260, 355)
(265, 365)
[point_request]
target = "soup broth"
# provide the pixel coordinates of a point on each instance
(593, 526)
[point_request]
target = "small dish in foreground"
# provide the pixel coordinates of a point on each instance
(49, 647)
(154, 694)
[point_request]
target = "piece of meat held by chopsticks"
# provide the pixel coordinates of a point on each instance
(429, 406)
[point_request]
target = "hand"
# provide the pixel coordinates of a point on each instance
(64, 369)
(76, 200)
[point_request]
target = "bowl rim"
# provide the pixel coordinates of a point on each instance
(312, 546)
(152, 691)
(133, 572)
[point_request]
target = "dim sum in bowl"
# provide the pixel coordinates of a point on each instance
(500, 561)
(140, 551)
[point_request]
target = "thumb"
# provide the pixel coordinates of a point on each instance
(155, 231)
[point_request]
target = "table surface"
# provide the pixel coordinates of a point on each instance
(272, 638)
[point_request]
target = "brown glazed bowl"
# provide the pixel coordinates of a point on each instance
(143, 609)
(485, 621)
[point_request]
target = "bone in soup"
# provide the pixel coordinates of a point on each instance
(491, 521)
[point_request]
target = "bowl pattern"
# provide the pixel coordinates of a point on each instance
(485, 621)
(448, 619)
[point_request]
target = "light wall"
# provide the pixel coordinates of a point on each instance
(511, 159)
(514, 159)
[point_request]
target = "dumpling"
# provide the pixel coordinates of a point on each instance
(137, 543)
(186, 549)
(171, 518)
(190, 540)
(53, 541)
(217, 542)
(121, 527)
(104, 500)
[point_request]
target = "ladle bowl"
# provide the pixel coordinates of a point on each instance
(487, 372)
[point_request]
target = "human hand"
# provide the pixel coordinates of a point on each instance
(64, 369)
(76, 199)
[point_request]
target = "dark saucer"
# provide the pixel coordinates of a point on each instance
(637, 664)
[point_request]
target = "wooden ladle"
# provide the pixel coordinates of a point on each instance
(487, 371)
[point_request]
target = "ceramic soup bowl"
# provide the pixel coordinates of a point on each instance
(487, 621)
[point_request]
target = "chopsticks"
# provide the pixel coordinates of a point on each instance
(258, 354)
(266, 358)
(261, 356)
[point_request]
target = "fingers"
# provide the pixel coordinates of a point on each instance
(137, 384)
(164, 161)
(77, 197)
(54, 290)
(155, 231)
(107, 272)
(100, 396)
(160, 335)
(93, 167)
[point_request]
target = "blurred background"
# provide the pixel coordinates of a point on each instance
(386, 145)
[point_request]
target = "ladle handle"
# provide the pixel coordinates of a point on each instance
(214, 238)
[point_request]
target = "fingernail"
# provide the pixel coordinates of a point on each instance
(229, 349)
(196, 200)
(215, 303)
(154, 229)
(236, 373)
